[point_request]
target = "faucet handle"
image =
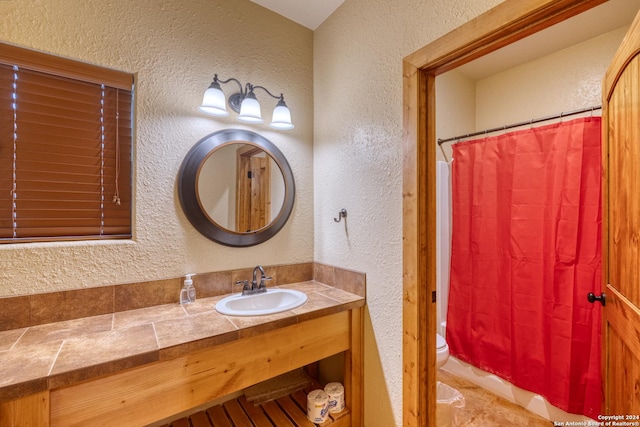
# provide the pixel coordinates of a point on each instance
(245, 283)
(262, 280)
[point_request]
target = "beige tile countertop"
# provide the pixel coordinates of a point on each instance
(65, 353)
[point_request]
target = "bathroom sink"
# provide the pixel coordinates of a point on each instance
(269, 302)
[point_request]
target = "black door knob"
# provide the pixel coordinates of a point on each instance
(591, 297)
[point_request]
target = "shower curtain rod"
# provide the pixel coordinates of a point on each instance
(515, 125)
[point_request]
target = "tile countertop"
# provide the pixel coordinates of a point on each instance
(65, 353)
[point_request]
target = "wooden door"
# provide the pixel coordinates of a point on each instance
(253, 187)
(621, 229)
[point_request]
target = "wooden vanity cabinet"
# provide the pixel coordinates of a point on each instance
(159, 390)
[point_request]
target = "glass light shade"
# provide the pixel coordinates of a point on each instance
(214, 101)
(281, 117)
(250, 110)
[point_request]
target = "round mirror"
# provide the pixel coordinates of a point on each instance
(236, 187)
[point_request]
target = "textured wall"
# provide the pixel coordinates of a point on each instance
(174, 47)
(565, 80)
(358, 55)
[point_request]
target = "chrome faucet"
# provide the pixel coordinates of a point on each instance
(256, 286)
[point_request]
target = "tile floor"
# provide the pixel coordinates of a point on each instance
(484, 409)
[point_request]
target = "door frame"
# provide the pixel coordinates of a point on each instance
(506, 23)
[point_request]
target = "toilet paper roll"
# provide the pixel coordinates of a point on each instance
(335, 391)
(317, 406)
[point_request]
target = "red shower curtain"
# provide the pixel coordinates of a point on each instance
(525, 253)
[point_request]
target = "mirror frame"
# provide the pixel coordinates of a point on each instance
(188, 188)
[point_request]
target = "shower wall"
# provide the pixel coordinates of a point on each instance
(565, 80)
(456, 107)
(443, 242)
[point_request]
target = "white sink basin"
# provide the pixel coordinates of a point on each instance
(270, 302)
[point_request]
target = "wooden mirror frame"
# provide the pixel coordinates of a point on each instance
(506, 23)
(188, 188)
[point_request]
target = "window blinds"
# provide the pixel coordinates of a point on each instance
(65, 157)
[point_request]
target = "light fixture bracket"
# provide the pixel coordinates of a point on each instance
(235, 101)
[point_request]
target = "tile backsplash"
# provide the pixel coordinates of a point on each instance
(37, 309)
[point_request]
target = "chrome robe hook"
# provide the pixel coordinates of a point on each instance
(341, 214)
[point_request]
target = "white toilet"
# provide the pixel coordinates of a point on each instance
(442, 351)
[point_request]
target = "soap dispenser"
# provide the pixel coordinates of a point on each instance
(188, 292)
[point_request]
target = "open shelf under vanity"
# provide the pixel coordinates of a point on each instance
(289, 410)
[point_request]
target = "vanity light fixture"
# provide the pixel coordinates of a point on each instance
(245, 103)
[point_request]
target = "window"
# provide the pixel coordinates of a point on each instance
(65, 149)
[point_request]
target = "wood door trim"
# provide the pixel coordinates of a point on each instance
(249, 150)
(506, 23)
